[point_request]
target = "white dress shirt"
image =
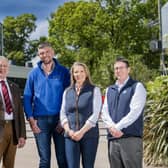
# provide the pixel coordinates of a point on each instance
(6, 116)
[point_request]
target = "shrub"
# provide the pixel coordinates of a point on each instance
(156, 122)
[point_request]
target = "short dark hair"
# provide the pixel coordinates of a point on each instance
(122, 59)
(44, 44)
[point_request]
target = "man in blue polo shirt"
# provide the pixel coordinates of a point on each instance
(42, 102)
(123, 115)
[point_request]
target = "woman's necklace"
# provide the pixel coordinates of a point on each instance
(78, 89)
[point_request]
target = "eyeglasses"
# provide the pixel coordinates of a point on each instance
(120, 68)
(3, 66)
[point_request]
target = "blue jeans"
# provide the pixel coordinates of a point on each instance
(47, 125)
(86, 147)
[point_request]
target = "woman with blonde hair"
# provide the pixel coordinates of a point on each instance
(79, 115)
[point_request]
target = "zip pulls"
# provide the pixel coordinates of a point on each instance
(78, 91)
(77, 113)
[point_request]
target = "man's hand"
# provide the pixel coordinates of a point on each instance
(34, 126)
(116, 133)
(21, 142)
(59, 128)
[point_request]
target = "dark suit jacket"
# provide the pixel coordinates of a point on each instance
(18, 123)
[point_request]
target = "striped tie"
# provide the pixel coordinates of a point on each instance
(7, 100)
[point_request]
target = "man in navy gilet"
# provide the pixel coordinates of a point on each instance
(123, 114)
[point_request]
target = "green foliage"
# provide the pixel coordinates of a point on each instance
(156, 122)
(77, 31)
(96, 32)
(140, 71)
(75, 27)
(17, 32)
(16, 57)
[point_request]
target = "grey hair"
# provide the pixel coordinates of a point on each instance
(4, 58)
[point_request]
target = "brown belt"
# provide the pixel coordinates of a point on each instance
(8, 121)
(3, 122)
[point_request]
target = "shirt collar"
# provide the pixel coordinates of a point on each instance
(3, 80)
(52, 68)
(121, 85)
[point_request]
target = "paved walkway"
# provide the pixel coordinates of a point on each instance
(27, 157)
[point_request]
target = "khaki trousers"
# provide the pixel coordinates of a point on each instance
(7, 149)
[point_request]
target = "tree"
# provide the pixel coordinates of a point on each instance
(96, 32)
(79, 30)
(17, 32)
(74, 28)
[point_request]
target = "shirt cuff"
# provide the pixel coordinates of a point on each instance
(64, 121)
(92, 124)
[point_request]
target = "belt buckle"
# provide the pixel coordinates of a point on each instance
(7, 121)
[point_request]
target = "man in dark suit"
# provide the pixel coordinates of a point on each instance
(12, 122)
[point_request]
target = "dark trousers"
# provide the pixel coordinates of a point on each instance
(86, 147)
(43, 142)
(7, 148)
(125, 153)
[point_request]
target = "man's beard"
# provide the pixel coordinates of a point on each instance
(46, 63)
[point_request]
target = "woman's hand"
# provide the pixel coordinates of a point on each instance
(77, 135)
